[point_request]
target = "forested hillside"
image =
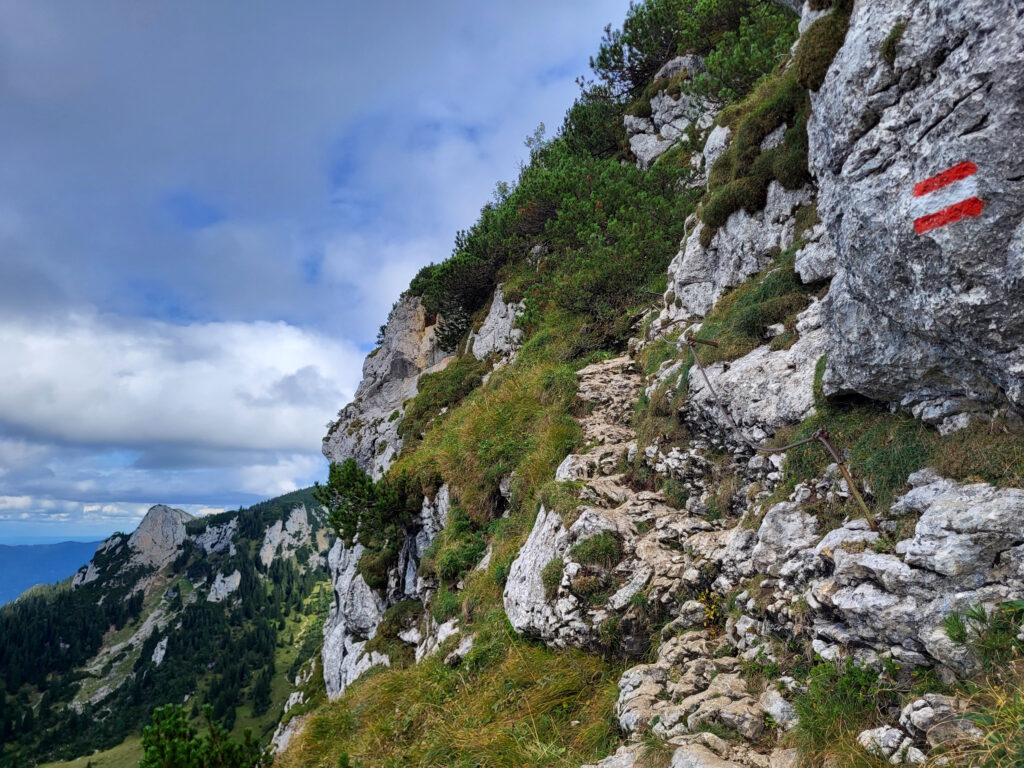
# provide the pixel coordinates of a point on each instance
(218, 611)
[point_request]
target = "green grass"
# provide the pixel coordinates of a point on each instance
(841, 700)
(885, 448)
(436, 391)
(602, 549)
(511, 703)
(551, 576)
(457, 548)
(124, 755)
(892, 40)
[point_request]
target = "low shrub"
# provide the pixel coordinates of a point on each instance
(818, 47)
(602, 549)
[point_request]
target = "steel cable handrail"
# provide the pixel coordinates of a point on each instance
(820, 436)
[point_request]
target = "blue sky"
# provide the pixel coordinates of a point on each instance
(206, 211)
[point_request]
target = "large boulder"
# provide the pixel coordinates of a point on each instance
(967, 550)
(917, 142)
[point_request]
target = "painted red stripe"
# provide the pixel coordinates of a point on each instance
(965, 209)
(947, 177)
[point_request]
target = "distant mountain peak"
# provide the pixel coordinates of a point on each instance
(158, 537)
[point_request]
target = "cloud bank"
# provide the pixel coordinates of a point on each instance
(207, 209)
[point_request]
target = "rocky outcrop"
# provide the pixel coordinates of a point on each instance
(816, 259)
(744, 246)
(670, 117)
(367, 428)
(405, 582)
(762, 391)
(223, 586)
(967, 549)
(353, 620)
(215, 539)
(498, 334)
(157, 539)
(921, 110)
(357, 608)
(285, 537)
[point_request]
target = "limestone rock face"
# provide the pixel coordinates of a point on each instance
(353, 620)
(218, 538)
(651, 137)
(367, 428)
(157, 539)
(745, 245)
(498, 334)
(929, 319)
(715, 145)
(284, 538)
(967, 549)
(762, 391)
(223, 586)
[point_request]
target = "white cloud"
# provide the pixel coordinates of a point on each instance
(88, 379)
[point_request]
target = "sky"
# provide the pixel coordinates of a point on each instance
(206, 212)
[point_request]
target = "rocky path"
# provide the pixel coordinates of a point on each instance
(598, 596)
(695, 681)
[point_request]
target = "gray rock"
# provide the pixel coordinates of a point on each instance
(697, 756)
(784, 758)
(889, 743)
(928, 320)
(962, 527)
(625, 757)
(816, 260)
(781, 711)
(159, 536)
(355, 614)
(367, 428)
(744, 246)
(284, 538)
(966, 550)
(715, 145)
(689, 63)
(498, 334)
(807, 14)
(650, 138)
(435, 637)
(785, 530)
(223, 586)
(159, 652)
(218, 538)
(525, 602)
(762, 391)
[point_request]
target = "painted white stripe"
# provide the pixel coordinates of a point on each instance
(943, 198)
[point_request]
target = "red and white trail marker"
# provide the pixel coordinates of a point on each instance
(946, 198)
